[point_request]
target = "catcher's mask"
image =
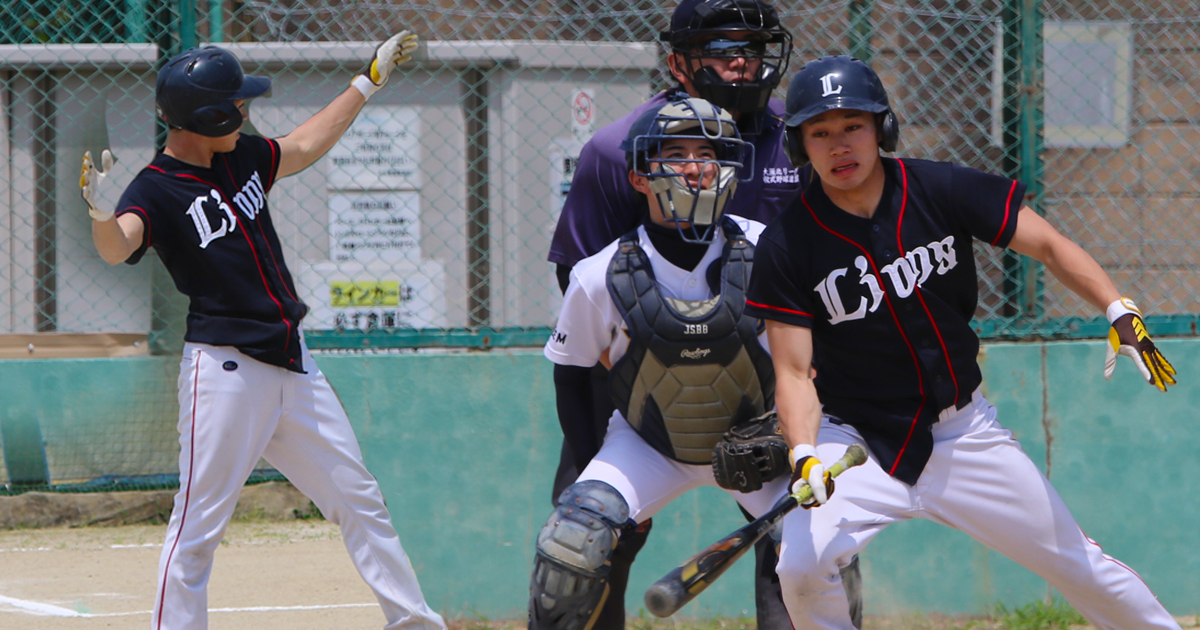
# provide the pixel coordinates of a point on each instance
(693, 209)
(703, 29)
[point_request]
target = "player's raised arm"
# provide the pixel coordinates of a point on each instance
(115, 240)
(1076, 269)
(313, 138)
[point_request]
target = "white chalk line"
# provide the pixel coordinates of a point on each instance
(32, 549)
(40, 609)
(139, 546)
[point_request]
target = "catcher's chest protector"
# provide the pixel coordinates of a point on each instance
(693, 368)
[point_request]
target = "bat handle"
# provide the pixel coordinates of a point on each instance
(855, 456)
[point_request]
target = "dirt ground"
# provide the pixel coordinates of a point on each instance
(87, 578)
(92, 577)
(104, 577)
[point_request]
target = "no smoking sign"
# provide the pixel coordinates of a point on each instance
(583, 113)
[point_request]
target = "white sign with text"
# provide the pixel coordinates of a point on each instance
(380, 151)
(375, 226)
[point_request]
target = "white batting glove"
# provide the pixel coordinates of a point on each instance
(1128, 337)
(396, 50)
(807, 470)
(90, 180)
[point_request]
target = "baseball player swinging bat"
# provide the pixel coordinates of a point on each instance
(666, 596)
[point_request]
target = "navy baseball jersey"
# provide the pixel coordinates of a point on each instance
(899, 288)
(602, 205)
(212, 230)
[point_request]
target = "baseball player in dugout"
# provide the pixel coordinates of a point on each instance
(248, 387)
(872, 270)
(731, 53)
(662, 308)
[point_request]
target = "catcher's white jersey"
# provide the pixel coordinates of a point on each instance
(589, 322)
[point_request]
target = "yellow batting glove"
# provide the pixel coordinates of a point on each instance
(1128, 336)
(90, 179)
(398, 49)
(808, 470)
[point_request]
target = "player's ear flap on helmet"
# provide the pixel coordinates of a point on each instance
(889, 131)
(794, 145)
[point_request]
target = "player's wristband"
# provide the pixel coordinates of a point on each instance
(1121, 307)
(365, 85)
(800, 451)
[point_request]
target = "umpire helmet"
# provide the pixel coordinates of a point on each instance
(196, 90)
(700, 30)
(837, 82)
(694, 118)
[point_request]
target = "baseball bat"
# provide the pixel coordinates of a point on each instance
(666, 596)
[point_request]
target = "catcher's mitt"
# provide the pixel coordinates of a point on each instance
(751, 454)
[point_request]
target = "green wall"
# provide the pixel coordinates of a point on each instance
(465, 445)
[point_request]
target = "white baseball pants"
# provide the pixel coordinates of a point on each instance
(234, 410)
(978, 481)
(648, 480)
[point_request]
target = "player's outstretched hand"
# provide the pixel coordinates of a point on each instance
(398, 49)
(808, 470)
(90, 180)
(1128, 336)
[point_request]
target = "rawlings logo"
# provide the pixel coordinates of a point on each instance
(698, 353)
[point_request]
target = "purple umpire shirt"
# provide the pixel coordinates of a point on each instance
(602, 205)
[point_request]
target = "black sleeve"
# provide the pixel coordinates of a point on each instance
(133, 201)
(563, 272)
(266, 157)
(776, 291)
(573, 389)
(986, 204)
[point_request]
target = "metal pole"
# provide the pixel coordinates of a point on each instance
(187, 24)
(1011, 138)
(135, 21)
(475, 113)
(216, 21)
(45, 138)
(1031, 142)
(1023, 121)
(861, 29)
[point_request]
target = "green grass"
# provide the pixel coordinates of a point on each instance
(1053, 615)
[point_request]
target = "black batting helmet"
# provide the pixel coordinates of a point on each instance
(196, 90)
(837, 82)
(700, 29)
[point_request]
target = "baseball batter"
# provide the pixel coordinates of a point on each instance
(731, 53)
(662, 308)
(872, 270)
(248, 387)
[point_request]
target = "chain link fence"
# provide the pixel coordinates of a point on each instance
(429, 224)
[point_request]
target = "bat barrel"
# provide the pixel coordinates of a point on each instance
(666, 596)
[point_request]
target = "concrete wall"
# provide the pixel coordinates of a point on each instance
(465, 445)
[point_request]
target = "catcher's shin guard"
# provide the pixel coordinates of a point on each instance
(633, 538)
(570, 580)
